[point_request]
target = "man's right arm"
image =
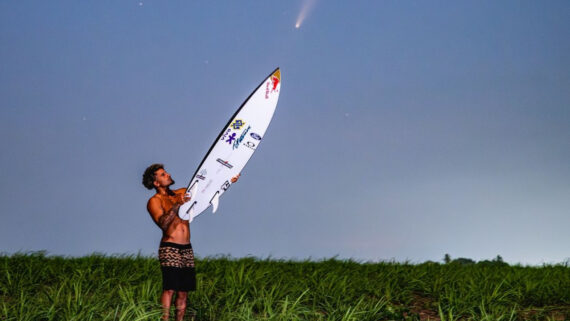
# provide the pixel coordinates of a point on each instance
(161, 218)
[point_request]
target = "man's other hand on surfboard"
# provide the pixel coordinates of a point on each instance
(235, 178)
(183, 198)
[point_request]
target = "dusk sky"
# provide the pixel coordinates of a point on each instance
(404, 130)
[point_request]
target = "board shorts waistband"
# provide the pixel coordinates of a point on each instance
(176, 245)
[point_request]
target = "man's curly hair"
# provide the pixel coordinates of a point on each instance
(150, 175)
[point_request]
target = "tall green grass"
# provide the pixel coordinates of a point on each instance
(35, 287)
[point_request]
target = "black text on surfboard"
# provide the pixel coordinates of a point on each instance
(250, 145)
(225, 163)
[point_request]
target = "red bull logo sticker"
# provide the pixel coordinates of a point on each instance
(271, 85)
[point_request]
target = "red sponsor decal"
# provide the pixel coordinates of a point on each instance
(271, 86)
(275, 82)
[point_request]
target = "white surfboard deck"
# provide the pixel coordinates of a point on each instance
(232, 149)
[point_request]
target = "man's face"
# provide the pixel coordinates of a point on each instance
(162, 178)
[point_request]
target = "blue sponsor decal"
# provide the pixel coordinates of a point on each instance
(255, 136)
(238, 141)
(201, 177)
(231, 138)
(237, 124)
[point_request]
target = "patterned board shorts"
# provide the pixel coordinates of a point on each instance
(177, 266)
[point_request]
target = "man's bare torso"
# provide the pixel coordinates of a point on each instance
(160, 204)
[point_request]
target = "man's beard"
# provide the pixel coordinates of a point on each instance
(168, 190)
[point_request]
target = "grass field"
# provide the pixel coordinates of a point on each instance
(38, 287)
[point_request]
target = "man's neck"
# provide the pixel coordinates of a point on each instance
(164, 191)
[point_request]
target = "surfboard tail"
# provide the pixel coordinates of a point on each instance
(187, 210)
(191, 191)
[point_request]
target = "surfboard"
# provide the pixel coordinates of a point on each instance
(232, 149)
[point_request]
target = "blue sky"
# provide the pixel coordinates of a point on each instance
(404, 130)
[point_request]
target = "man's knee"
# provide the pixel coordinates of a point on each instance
(168, 293)
(181, 295)
(181, 300)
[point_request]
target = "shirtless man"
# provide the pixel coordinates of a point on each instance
(175, 252)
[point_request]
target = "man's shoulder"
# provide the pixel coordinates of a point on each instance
(155, 198)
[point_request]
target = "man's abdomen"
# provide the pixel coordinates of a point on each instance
(178, 232)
